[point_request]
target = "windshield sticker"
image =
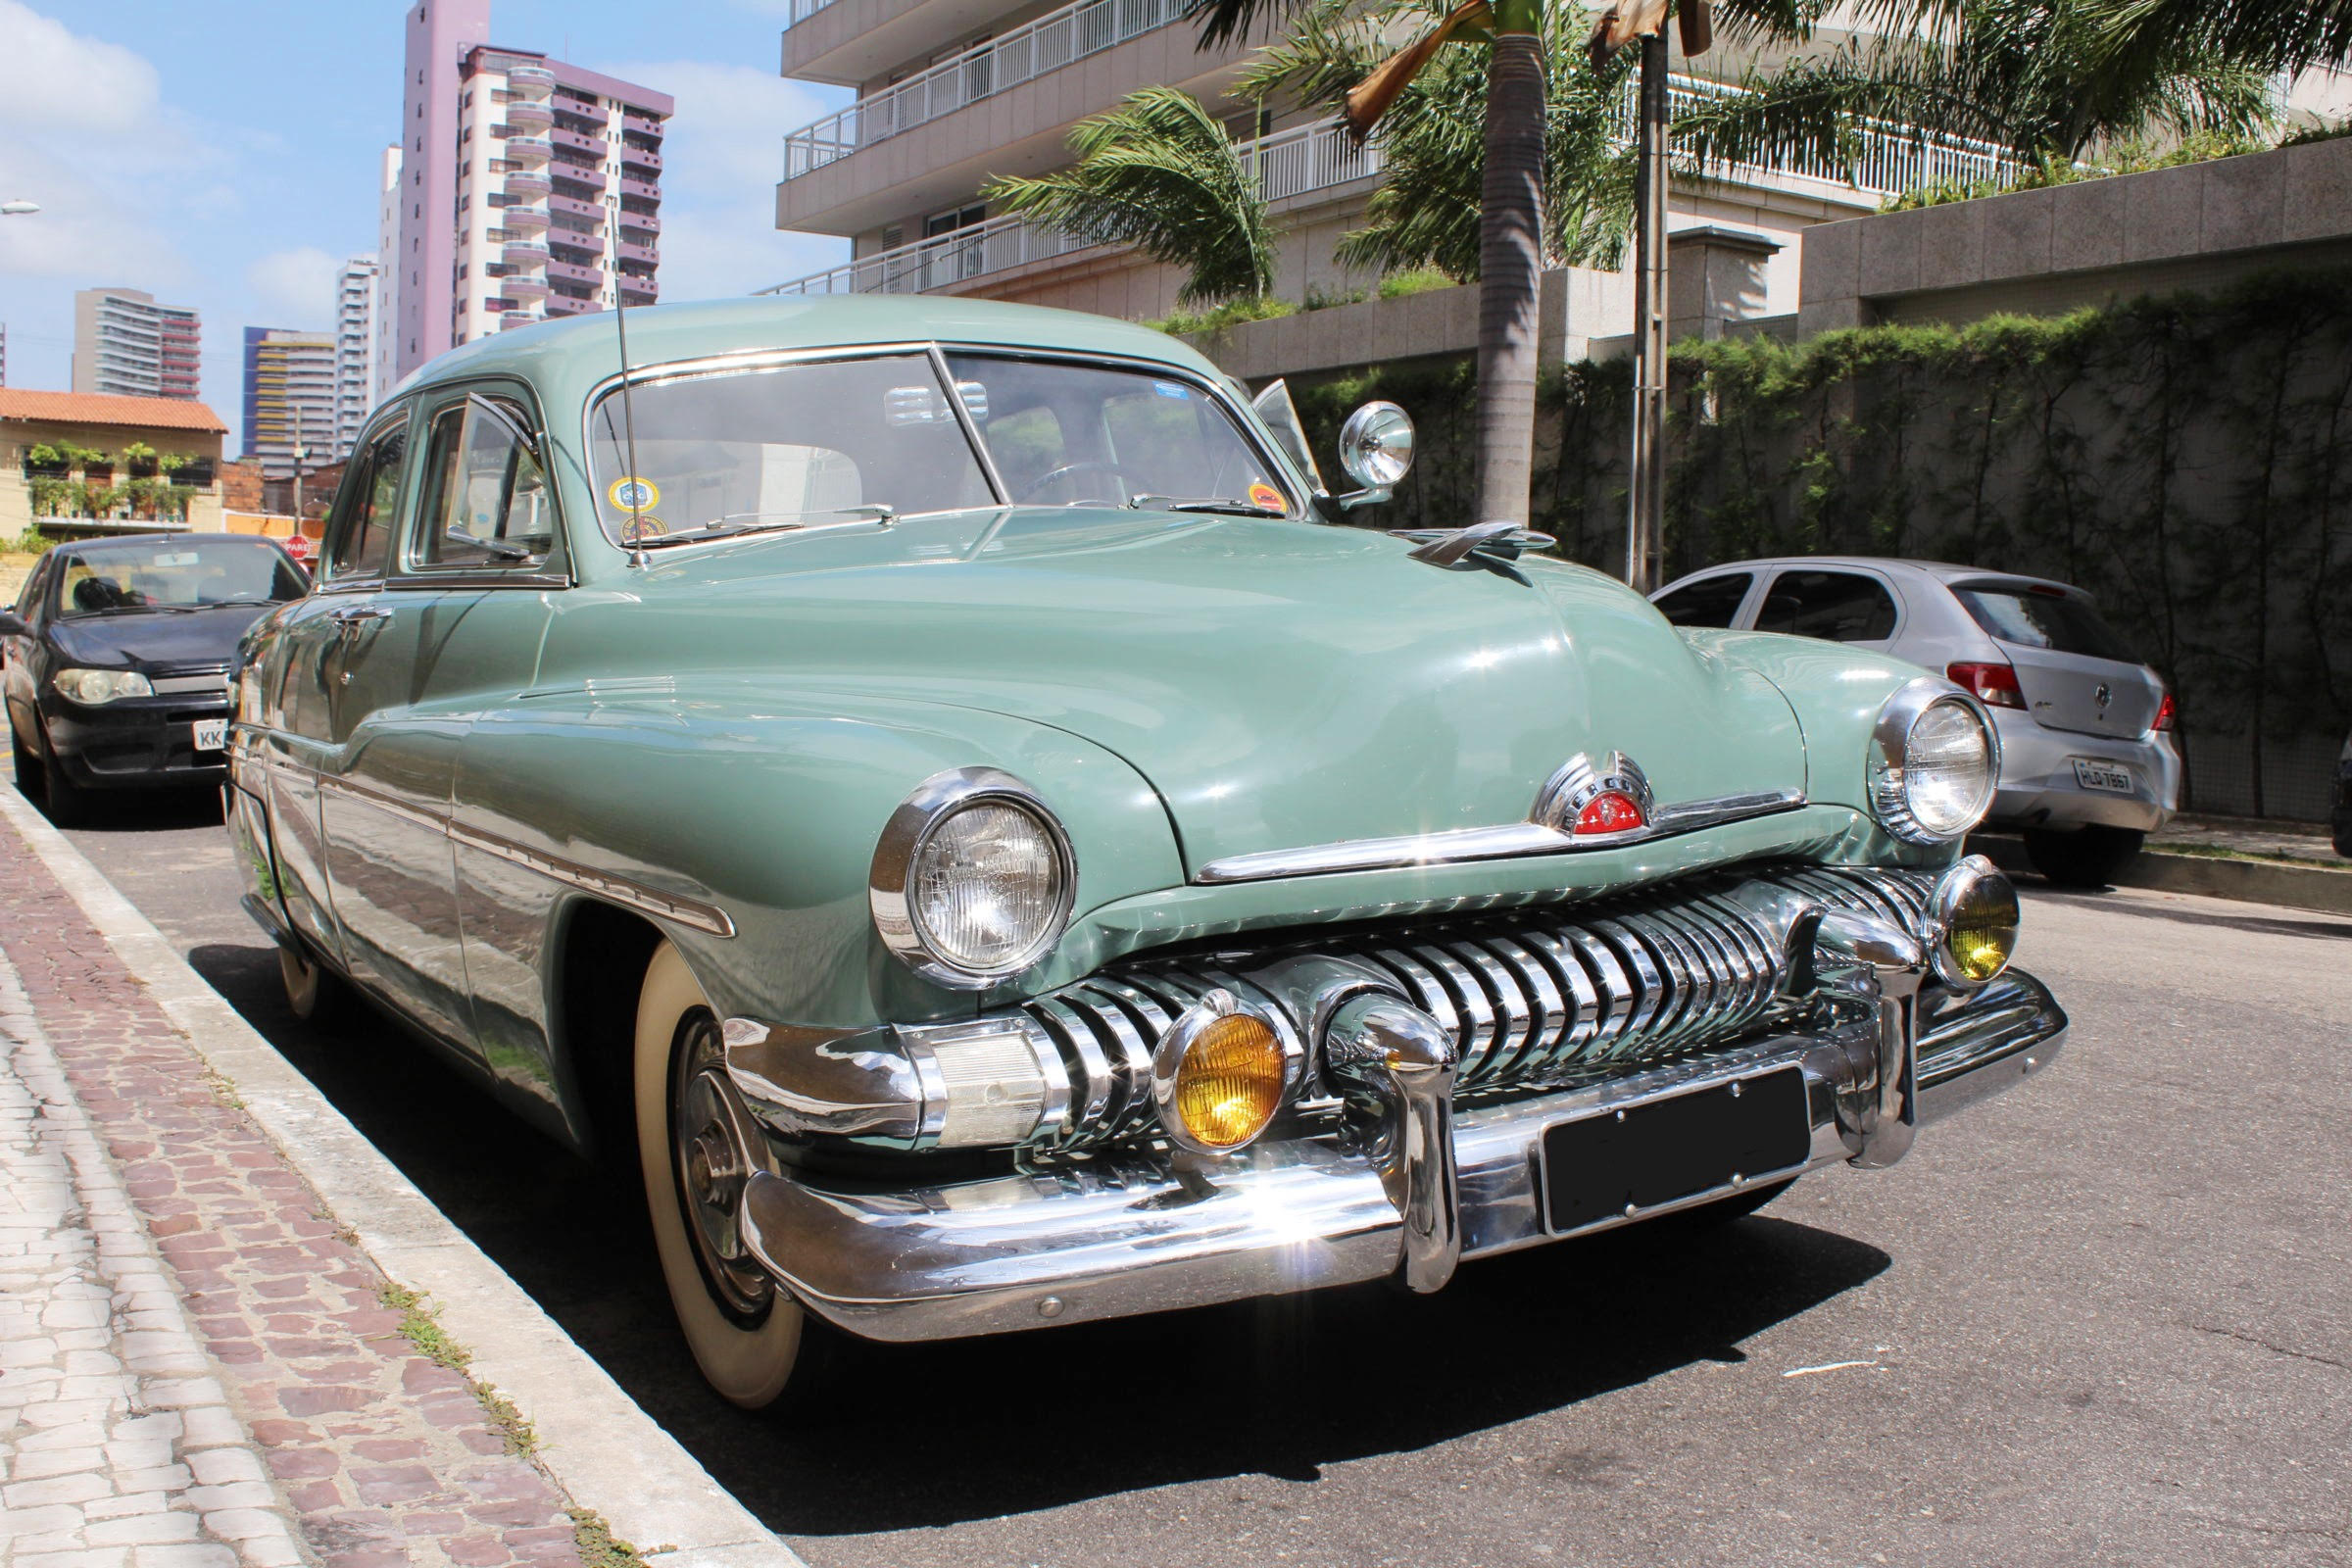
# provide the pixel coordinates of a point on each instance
(638, 528)
(628, 493)
(1169, 389)
(1262, 494)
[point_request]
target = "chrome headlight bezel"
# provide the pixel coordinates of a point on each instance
(899, 853)
(1947, 903)
(73, 685)
(1888, 785)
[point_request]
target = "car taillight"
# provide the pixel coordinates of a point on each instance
(1993, 685)
(2164, 714)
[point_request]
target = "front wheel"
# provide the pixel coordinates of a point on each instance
(696, 1147)
(28, 766)
(2087, 858)
(68, 803)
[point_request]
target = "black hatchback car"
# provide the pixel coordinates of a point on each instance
(115, 658)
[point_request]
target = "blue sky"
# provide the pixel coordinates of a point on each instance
(225, 154)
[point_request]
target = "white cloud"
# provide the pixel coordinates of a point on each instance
(722, 157)
(296, 288)
(56, 79)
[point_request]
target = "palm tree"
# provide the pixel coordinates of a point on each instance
(2039, 79)
(1158, 173)
(2278, 35)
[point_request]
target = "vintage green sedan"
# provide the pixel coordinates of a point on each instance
(939, 781)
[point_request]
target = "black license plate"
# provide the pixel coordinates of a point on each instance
(1668, 1148)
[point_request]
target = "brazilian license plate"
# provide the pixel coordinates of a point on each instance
(210, 734)
(1664, 1150)
(2113, 778)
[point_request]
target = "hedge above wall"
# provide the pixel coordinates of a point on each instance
(2187, 458)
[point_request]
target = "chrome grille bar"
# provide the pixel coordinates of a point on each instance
(1532, 996)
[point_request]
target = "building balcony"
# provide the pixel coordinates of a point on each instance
(531, 82)
(647, 254)
(527, 150)
(850, 42)
(524, 286)
(649, 224)
(529, 114)
(1002, 107)
(641, 125)
(645, 190)
(574, 207)
(643, 157)
(529, 217)
(566, 305)
(522, 253)
(514, 318)
(637, 290)
(580, 141)
(526, 185)
(575, 272)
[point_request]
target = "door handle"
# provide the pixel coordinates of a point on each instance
(358, 616)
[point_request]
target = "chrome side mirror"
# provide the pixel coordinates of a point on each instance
(1376, 448)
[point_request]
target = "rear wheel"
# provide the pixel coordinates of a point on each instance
(2087, 858)
(696, 1147)
(314, 994)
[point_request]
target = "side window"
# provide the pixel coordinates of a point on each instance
(364, 533)
(1709, 602)
(485, 506)
(1843, 606)
(29, 598)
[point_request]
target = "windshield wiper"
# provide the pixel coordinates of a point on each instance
(1238, 506)
(737, 524)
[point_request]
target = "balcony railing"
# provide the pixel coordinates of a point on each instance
(1889, 159)
(802, 10)
(1052, 41)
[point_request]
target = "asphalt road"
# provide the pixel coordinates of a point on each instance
(2104, 1319)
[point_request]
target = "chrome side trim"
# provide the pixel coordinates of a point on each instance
(1458, 846)
(621, 890)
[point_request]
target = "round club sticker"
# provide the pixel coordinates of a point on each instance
(628, 493)
(1262, 494)
(641, 528)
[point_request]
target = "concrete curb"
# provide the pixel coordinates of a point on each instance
(603, 1451)
(2298, 887)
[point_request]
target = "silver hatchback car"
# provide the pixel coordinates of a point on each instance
(2087, 762)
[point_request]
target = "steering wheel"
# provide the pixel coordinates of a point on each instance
(1067, 469)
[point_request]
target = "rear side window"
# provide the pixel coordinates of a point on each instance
(1843, 606)
(1711, 602)
(363, 540)
(2061, 623)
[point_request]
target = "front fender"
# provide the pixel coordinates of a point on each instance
(766, 802)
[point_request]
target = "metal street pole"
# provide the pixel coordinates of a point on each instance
(1644, 521)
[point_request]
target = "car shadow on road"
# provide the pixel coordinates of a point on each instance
(1283, 1387)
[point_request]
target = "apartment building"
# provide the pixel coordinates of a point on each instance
(128, 345)
(382, 355)
(954, 91)
(528, 188)
(290, 380)
(355, 300)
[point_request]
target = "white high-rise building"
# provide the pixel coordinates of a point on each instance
(358, 304)
(383, 360)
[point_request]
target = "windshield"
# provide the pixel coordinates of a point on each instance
(2039, 619)
(812, 442)
(170, 574)
(1069, 433)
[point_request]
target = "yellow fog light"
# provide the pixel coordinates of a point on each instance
(1971, 924)
(1219, 1075)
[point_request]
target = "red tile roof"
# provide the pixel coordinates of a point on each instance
(98, 407)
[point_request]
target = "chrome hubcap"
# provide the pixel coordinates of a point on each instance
(710, 1144)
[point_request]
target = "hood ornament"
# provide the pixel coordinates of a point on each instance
(1588, 799)
(1487, 546)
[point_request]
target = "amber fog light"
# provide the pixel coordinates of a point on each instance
(1220, 1075)
(1971, 924)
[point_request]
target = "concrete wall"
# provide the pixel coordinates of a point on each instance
(2090, 243)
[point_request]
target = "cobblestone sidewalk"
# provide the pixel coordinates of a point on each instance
(196, 1370)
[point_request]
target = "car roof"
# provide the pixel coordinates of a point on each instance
(588, 347)
(1946, 572)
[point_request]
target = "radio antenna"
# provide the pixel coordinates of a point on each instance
(628, 428)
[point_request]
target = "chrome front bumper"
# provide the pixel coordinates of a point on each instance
(1101, 1239)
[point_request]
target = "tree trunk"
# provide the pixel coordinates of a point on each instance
(1511, 269)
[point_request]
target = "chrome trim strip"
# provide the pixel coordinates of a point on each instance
(685, 911)
(1459, 846)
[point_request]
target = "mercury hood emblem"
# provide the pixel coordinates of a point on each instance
(1586, 799)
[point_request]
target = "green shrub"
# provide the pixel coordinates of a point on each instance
(1232, 312)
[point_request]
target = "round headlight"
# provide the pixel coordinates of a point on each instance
(1934, 762)
(972, 880)
(1219, 1075)
(94, 686)
(1972, 930)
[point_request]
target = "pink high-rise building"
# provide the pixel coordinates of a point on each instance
(527, 187)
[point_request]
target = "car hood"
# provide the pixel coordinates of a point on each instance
(1281, 684)
(157, 638)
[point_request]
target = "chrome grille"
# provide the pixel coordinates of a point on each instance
(1533, 996)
